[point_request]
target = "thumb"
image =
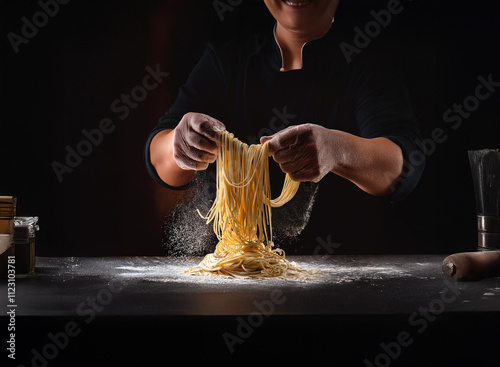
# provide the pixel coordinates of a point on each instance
(265, 138)
(217, 125)
(270, 149)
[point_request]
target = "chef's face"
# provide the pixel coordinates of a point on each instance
(302, 15)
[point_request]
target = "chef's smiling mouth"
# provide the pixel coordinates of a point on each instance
(297, 3)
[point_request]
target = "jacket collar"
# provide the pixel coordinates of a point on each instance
(310, 50)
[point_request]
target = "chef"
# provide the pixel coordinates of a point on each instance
(342, 117)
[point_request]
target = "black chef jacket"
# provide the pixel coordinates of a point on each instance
(241, 84)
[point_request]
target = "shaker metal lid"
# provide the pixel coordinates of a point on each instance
(488, 223)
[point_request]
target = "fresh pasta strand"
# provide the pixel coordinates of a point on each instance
(241, 215)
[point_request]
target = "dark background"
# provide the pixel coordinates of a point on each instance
(66, 77)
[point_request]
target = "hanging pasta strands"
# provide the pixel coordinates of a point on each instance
(241, 215)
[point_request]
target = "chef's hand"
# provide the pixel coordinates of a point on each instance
(306, 152)
(195, 141)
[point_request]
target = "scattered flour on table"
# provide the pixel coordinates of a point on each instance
(172, 270)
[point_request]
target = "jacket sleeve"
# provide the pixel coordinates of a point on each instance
(203, 93)
(383, 110)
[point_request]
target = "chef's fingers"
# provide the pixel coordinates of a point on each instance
(281, 140)
(206, 125)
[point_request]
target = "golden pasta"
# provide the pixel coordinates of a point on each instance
(241, 215)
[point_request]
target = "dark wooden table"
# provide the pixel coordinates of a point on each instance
(358, 311)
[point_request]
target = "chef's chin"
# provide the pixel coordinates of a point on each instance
(302, 14)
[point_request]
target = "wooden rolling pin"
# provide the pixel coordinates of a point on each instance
(472, 265)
